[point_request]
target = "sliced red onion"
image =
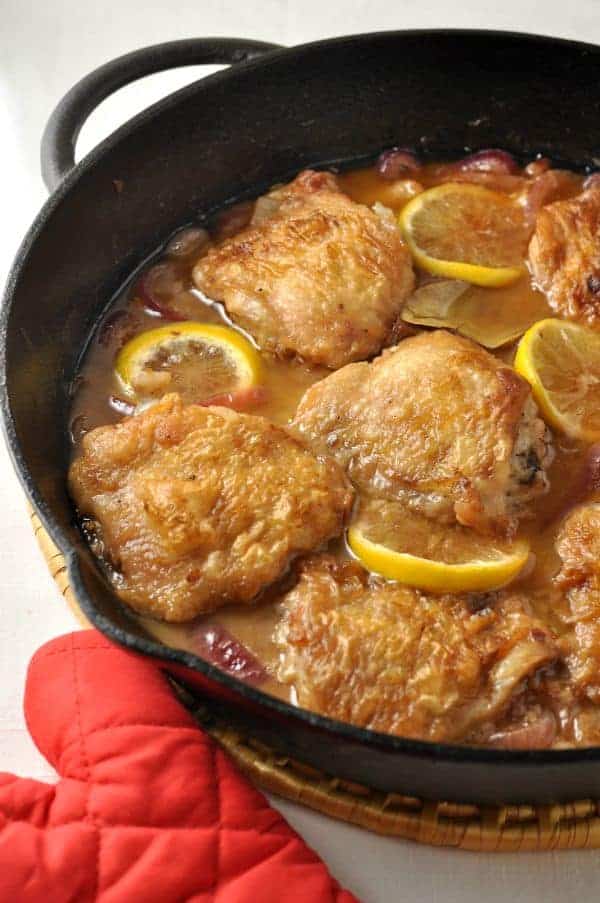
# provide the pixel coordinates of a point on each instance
(490, 160)
(496, 181)
(188, 242)
(537, 167)
(154, 286)
(592, 181)
(121, 406)
(396, 163)
(233, 220)
(543, 190)
(219, 647)
(240, 400)
(165, 312)
(500, 173)
(538, 735)
(118, 328)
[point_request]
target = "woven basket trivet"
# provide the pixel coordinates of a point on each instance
(469, 827)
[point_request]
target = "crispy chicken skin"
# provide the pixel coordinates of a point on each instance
(384, 656)
(578, 545)
(315, 275)
(199, 506)
(564, 254)
(437, 423)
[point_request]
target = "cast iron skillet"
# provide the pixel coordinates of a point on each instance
(235, 133)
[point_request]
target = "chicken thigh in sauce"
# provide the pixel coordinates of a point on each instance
(384, 656)
(565, 256)
(250, 515)
(317, 275)
(578, 545)
(438, 423)
(199, 506)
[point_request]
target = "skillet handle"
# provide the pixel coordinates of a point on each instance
(64, 125)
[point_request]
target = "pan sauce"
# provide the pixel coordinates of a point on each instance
(98, 399)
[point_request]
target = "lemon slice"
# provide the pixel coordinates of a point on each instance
(462, 562)
(466, 232)
(198, 360)
(561, 361)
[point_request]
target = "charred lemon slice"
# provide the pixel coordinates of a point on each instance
(448, 559)
(466, 232)
(198, 360)
(561, 361)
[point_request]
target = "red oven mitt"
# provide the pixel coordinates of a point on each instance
(147, 808)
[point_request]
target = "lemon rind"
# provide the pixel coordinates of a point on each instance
(475, 274)
(474, 576)
(246, 356)
(524, 365)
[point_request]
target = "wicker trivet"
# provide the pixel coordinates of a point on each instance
(494, 829)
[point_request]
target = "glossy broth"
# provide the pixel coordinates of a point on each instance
(99, 399)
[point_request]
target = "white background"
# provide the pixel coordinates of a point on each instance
(44, 48)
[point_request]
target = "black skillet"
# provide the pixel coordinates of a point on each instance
(229, 135)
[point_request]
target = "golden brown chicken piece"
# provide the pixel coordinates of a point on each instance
(384, 656)
(578, 545)
(565, 256)
(437, 423)
(316, 274)
(200, 506)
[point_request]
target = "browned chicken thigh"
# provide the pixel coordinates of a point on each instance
(384, 656)
(355, 510)
(437, 423)
(315, 275)
(565, 256)
(200, 506)
(578, 545)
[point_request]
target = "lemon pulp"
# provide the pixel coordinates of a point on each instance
(410, 548)
(561, 361)
(199, 360)
(462, 231)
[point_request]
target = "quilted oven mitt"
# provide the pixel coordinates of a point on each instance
(147, 808)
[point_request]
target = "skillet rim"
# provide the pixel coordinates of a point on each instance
(358, 736)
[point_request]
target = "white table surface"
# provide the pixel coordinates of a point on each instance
(44, 48)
